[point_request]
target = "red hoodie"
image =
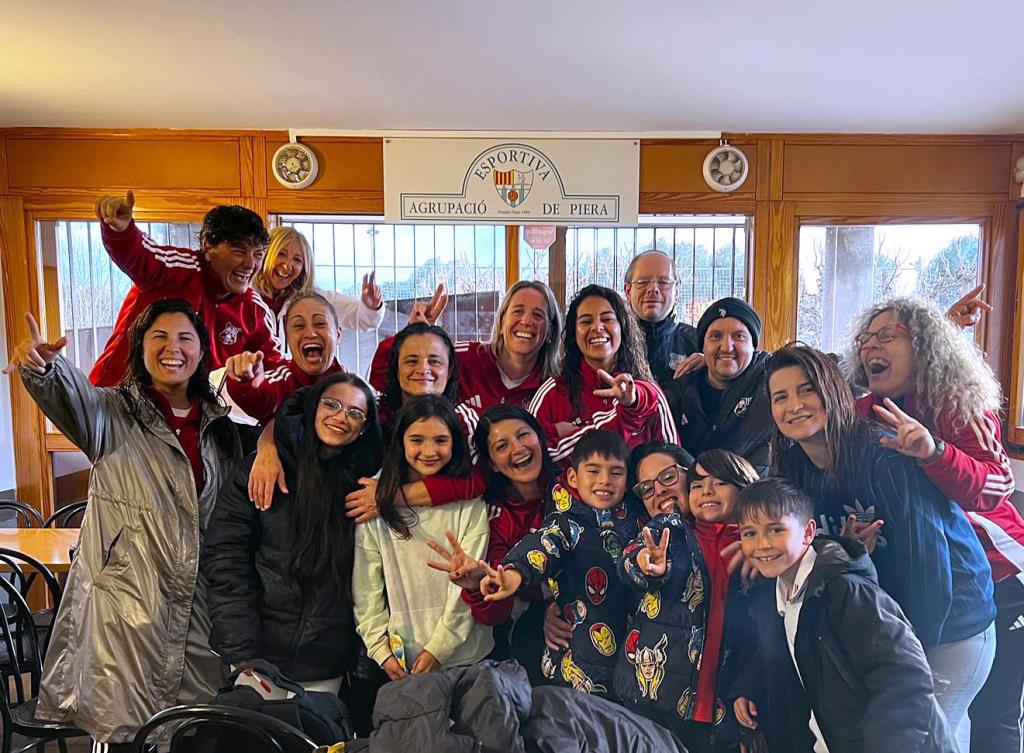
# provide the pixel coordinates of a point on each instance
(236, 322)
(974, 471)
(648, 420)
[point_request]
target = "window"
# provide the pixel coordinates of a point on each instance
(844, 269)
(710, 254)
(84, 285)
(410, 261)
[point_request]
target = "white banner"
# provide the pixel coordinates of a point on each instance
(537, 181)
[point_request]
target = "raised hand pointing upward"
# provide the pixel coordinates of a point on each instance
(115, 212)
(33, 352)
(621, 388)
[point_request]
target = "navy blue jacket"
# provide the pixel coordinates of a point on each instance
(660, 663)
(664, 339)
(576, 551)
(928, 558)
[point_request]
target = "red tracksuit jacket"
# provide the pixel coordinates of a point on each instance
(974, 471)
(262, 402)
(510, 521)
(480, 382)
(236, 323)
(650, 419)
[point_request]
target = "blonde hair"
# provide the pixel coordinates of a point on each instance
(550, 355)
(279, 238)
(951, 375)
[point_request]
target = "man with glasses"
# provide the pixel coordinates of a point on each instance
(216, 280)
(651, 292)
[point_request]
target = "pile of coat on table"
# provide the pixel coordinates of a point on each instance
(491, 708)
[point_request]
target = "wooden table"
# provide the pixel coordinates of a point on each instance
(51, 546)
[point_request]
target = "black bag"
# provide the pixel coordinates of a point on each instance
(322, 717)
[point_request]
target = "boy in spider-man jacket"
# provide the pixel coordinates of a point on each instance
(577, 549)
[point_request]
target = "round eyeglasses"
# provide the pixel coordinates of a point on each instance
(334, 407)
(667, 477)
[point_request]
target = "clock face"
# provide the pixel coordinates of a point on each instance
(295, 166)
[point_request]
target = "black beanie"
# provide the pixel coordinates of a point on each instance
(735, 308)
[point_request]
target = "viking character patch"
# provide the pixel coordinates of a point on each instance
(649, 663)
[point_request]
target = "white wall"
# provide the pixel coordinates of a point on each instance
(1018, 473)
(6, 422)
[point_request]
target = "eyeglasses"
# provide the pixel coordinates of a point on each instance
(334, 407)
(666, 478)
(885, 335)
(645, 282)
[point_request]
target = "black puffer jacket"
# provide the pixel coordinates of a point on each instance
(663, 339)
(863, 670)
(257, 609)
(743, 423)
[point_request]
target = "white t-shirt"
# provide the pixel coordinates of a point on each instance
(789, 609)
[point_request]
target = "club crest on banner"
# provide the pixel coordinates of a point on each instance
(513, 186)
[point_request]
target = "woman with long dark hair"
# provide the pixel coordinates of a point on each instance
(132, 634)
(281, 579)
(605, 382)
(518, 469)
(411, 617)
(933, 387)
(927, 556)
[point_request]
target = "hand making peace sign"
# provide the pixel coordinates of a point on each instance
(621, 388)
(33, 352)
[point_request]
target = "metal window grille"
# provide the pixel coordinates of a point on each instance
(411, 260)
(90, 287)
(843, 269)
(710, 255)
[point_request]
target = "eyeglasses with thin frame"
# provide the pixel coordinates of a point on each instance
(667, 477)
(334, 407)
(645, 282)
(886, 334)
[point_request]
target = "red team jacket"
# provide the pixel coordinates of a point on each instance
(262, 403)
(649, 420)
(510, 520)
(480, 383)
(236, 323)
(974, 471)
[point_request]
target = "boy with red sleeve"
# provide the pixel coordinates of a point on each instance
(216, 281)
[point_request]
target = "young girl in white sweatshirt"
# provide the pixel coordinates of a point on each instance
(411, 617)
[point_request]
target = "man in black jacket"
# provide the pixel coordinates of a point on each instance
(725, 405)
(864, 674)
(651, 291)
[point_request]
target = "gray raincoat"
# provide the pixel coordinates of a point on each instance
(132, 633)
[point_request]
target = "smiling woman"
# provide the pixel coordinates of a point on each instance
(159, 440)
(606, 382)
(928, 558)
(287, 273)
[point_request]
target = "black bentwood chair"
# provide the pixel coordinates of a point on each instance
(23, 646)
(268, 735)
(65, 516)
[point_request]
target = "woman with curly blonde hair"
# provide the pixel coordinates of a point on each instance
(933, 388)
